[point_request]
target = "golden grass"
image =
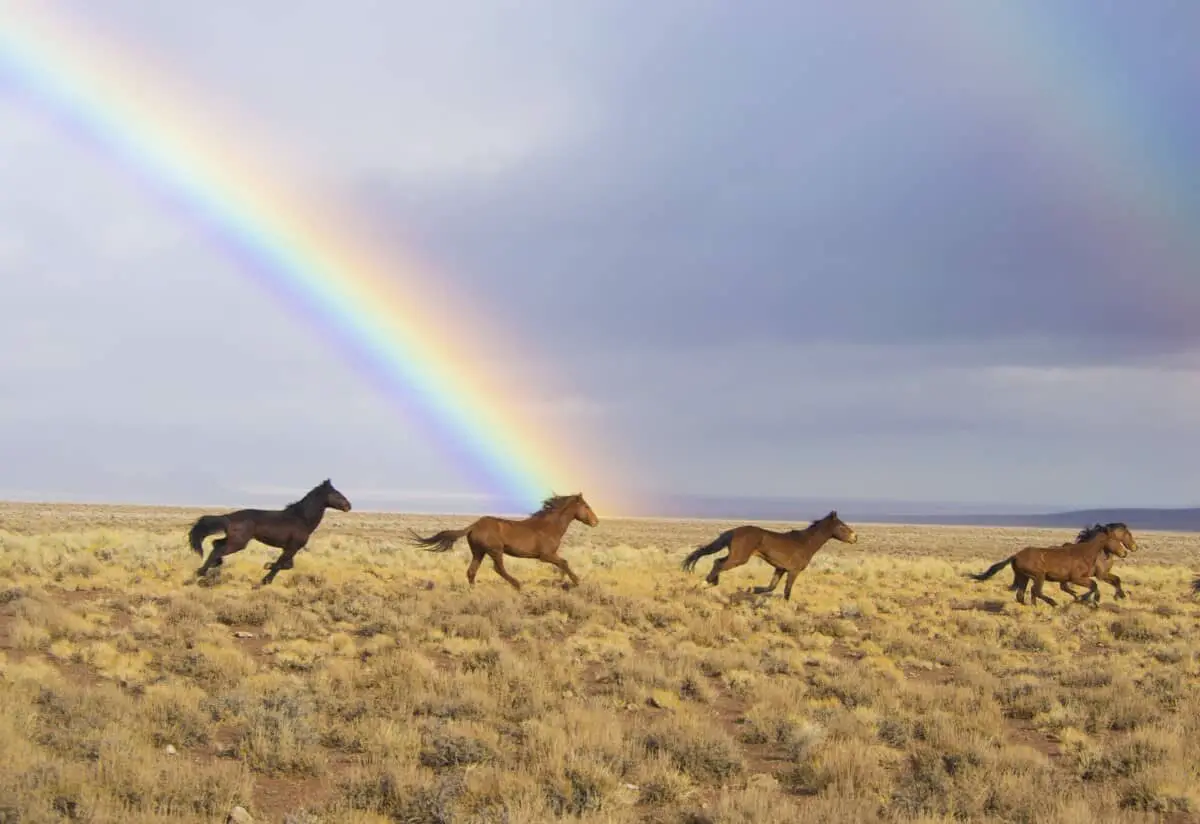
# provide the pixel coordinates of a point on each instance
(369, 684)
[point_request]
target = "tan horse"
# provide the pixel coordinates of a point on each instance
(537, 536)
(789, 552)
(1067, 563)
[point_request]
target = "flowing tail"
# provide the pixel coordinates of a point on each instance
(440, 542)
(206, 525)
(1196, 586)
(993, 569)
(722, 542)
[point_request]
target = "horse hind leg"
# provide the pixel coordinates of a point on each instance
(215, 557)
(1038, 583)
(477, 556)
(734, 559)
(1020, 584)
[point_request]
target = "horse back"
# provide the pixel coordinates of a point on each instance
(1055, 562)
(493, 531)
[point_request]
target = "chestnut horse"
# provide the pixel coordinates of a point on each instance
(1066, 563)
(1104, 560)
(537, 537)
(789, 552)
(287, 529)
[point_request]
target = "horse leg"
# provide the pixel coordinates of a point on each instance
(1093, 592)
(1038, 582)
(477, 556)
(725, 564)
(1109, 578)
(791, 579)
(234, 541)
(214, 558)
(498, 563)
(1020, 584)
(714, 574)
(1065, 586)
(563, 567)
(284, 561)
(775, 579)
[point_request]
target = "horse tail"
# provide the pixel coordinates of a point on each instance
(441, 541)
(1196, 586)
(206, 525)
(993, 569)
(723, 540)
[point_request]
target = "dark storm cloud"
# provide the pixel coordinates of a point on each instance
(821, 185)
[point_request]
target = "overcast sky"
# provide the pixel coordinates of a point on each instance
(846, 251)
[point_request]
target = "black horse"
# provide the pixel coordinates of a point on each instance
(287, 529)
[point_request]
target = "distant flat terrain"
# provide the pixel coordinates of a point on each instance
(370, 685)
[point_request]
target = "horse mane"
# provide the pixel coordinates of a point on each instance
(555, 502)
(1089, 532)
(298, 506)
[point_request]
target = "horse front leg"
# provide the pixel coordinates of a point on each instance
(284, 561)
(564, 568)
(1115, 582)
(498, 564)
(775, 579)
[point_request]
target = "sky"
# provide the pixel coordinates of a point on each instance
(921, 252)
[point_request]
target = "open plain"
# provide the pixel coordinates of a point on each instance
(369, 684)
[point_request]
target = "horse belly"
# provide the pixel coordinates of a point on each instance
(775, 556)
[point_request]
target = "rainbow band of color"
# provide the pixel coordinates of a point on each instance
(299, 257)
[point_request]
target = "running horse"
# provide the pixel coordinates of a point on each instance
(788, 552)
(1065, 563)
(536, 537)
(287, 529)
(1105, 559)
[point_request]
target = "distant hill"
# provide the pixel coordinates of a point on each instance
(195, 488)
(794, 510)
(1168, 520)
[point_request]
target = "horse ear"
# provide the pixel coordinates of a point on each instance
(833, 513)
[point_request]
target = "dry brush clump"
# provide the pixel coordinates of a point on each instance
(370, 684)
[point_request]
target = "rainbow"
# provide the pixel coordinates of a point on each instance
(303, 255)
(1043, 71)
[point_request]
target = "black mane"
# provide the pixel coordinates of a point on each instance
(1089, 532)
(298, 506)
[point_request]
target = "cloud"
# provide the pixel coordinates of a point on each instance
(777, 249)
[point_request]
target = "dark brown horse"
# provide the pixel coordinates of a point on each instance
(1067, 563)
(287, 529)
(537, 536)
(789, 552)
(1104, 560)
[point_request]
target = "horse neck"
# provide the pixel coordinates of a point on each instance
(1095, 547)
(558, 520)
(311, 510)
(816, 535)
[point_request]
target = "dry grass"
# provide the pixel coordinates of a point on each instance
(370, 685)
